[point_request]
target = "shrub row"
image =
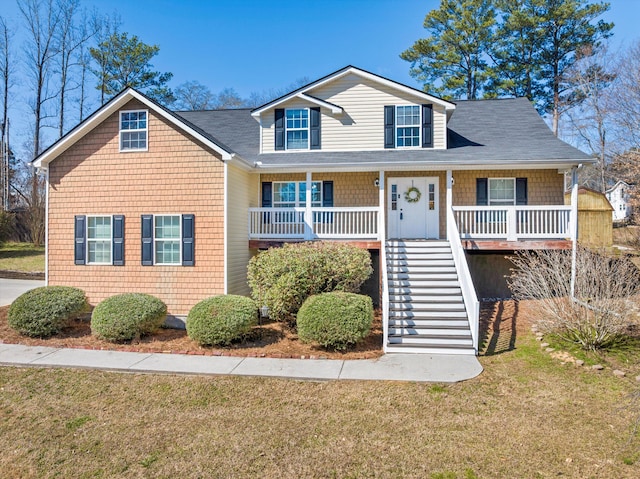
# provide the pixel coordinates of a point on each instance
(283, 278)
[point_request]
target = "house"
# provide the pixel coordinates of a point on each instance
(141, 198)
(618, 195)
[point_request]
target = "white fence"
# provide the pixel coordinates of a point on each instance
(327, 223)
(513, 222)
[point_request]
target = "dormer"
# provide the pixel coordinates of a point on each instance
(353, 110)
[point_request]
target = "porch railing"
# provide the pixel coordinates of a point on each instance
(326, 223)
(513, 222)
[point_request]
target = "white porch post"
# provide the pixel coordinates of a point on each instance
(574, 226)
(308, 217)
(449, 204)
(382, 233)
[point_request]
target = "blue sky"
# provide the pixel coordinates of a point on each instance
(253, 45)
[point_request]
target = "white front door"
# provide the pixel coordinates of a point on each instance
(412, 207)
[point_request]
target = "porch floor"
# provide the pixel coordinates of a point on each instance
(276, 243)
(503, 245)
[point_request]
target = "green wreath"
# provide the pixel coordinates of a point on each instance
(412, 195)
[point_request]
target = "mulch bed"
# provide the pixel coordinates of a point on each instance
(273, 340)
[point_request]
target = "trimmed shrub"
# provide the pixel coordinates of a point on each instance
(335, 320)
(221, 319)
(127, 316)
(283, 278)
(45, 311)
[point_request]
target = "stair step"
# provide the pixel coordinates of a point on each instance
(425, 283)
(422, 243)
(420, 256)
(419, 263)
(417, 307)
(432, 340)
(420, 331)
(433, 323)
(401, 295)
(428, 276)
(402, 314)
(427, 269)
(429, 348)
(429, 291)
(404, 250)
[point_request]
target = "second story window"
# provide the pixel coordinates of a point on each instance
(297, 128)
(407, 126)
(133, 130)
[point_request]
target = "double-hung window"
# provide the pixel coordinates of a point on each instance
(133, 130)
(99, 240)
(297, 128)
(99, 236)
(291, 194)
(167, 239)
(502, 191)
(407, 126)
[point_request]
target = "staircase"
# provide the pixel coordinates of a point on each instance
(426, 308)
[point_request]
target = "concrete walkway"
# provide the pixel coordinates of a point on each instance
(10, 289)
(440, 368)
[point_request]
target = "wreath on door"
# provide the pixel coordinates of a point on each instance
(412, 195)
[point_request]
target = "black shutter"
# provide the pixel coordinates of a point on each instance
(279, 124)
(188, 243)
(267, 202)
(147, 240)
(327, 194)
(80, 249)
(267, 188)
(521, 191)
(389, 126)
(118, 240)
(482, 191)
(427, 126)
(314, 128)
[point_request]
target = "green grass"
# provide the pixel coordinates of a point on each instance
(526, 415)
(21, 257)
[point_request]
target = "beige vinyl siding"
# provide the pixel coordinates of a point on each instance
(243, 190)
(361, 125)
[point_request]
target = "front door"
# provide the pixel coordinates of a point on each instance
(412, 207)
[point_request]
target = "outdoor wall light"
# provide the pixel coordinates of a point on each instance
(376, 182)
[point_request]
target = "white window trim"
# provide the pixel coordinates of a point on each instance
(298, 204)
(308, 129)
(155, 240)
(88, 240)
(502, 202)
(396, 126)
(121, 131)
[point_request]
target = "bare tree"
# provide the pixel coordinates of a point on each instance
(73, 34)
(193, 95)
(605, 288)
(591, 77)
(6, 76)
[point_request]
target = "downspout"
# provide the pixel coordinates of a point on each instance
(46, 230)
(574, 227)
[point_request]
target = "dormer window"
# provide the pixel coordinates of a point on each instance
(407, 126)
(297, 128)
(133, 130)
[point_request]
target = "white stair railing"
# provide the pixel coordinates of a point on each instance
(469, 296)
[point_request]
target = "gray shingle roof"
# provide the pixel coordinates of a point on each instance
(480, 132)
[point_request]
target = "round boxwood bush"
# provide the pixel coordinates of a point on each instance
(127, 316)
(335, 320)
(43, 312)
(221, 319)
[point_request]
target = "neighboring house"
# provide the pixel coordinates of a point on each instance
(175, 204)
(618, 195)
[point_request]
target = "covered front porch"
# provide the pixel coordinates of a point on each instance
(490, 226)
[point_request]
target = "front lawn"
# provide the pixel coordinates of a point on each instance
(530, 414)
(22, 257)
